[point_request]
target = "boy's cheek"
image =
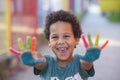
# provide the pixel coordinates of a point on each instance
(49, 43)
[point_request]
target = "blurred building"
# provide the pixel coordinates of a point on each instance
(26, 17)
(109, 5)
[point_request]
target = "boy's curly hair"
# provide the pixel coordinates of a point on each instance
(63, 16)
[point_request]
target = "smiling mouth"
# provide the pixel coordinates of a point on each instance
(62, 50)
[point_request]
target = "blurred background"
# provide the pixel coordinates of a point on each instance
(20, 18)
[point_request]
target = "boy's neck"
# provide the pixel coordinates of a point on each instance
(63, 63)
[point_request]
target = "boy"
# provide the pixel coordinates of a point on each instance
(63, 31)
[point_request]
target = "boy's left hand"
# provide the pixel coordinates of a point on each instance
(93, 51)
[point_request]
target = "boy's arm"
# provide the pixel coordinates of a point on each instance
(86, 65)
(41, 65)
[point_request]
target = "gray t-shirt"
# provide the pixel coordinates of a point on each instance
(72, 71)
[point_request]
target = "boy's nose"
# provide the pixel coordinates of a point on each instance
(61, 41)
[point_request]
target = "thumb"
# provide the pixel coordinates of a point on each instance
(39, 61)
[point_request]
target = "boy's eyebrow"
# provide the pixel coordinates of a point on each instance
(63, 33)
(53, 34)
(67, 33)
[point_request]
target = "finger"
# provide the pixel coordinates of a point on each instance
(104, 45)
(33, 44)
(97, 40)
(17, 53)
(84, 41)
(39, 61)
(20, 44)
(90, 40)
(28, 42)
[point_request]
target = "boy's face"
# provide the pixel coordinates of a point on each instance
(62, 41)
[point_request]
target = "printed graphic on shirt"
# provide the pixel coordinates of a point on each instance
(75, 77)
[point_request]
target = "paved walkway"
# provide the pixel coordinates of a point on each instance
(108, 66)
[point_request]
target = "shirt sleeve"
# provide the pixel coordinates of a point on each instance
(36, 71)
(91, 72)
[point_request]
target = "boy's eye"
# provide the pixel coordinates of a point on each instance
(54, 37)
(67, 36)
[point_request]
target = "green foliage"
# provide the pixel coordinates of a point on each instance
(114, 17)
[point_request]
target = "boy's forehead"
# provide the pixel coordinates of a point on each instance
(61, 27)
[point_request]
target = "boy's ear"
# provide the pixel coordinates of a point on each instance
(49, 43)
(77, 40)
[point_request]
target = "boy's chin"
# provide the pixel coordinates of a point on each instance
(63, 58)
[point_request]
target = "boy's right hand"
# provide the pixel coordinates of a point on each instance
(28, 57)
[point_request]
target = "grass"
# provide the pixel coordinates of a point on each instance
(114, 17)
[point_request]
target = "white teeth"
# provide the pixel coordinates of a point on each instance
(62, 48)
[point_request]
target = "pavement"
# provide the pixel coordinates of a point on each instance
(108, 66)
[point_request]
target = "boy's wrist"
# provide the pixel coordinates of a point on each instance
(86, 65)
